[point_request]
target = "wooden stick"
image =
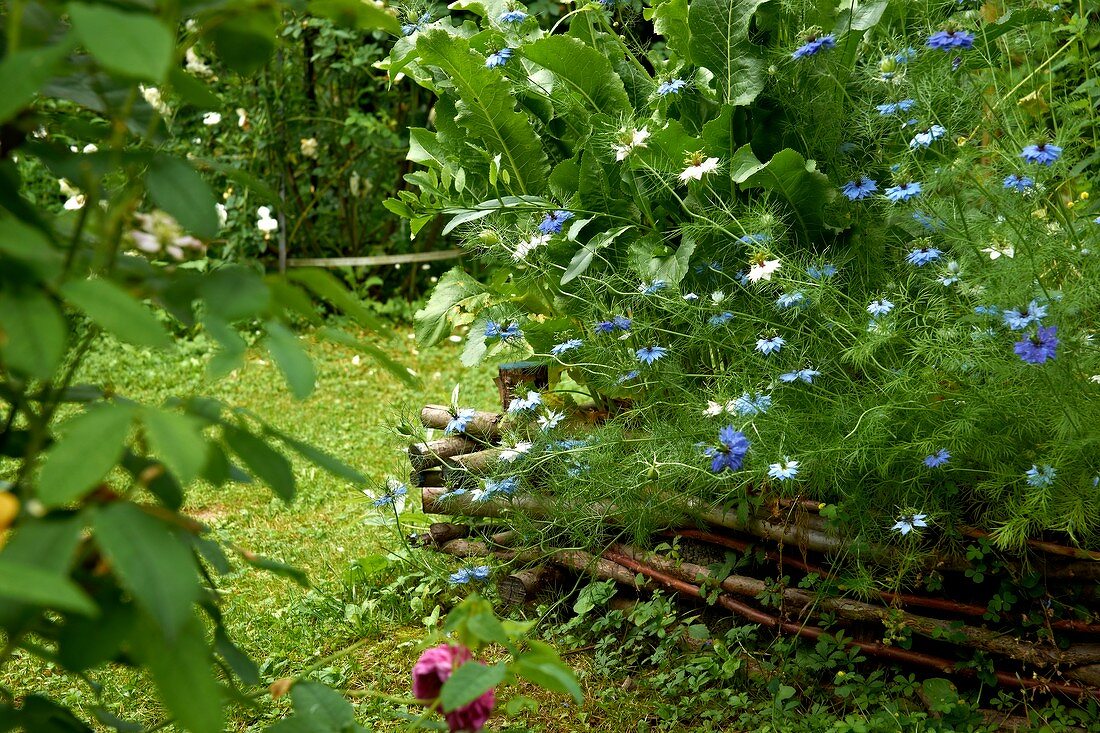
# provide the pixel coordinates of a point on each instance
(422, 479)
(485, 425)
(431, 454)
(524, 586)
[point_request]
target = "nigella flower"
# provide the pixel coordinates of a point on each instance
(763, 269)
(1040, 478)
(1018, 320)
(629, 140)
(937, 459)
(908, 523)
(814, 45)
(905, 56)
(499, 58)
(525, 404)
(510, 332)
(697, 167)
(570, 345)
(525, 248)
(891, 108)
(459, 421)
(512, 16)
(651, 288)
(749, 405)
(1016, 182)
(622, 322)
(994, 252)
(796, 299)
(929, 223)
(926, 138)
(801, 375)
(509, 455)
(721, 319)
(1038, 348)
(904, 192)
(858, 189)
(496, 487)
(673, 86)
(950, 39)
(783, 471)
(394, 496)
(821, 273)
(758, 238)
(632, 374)
(1042, 153)
(550, 420)
(471, 574)
(650, 354)
(691, 296)
(409, 28)
(554, 221)
(769, 345)
(880, 307)
(605, 327)
(987, 310)
(731, 452)
(952, 275)
(922, 256)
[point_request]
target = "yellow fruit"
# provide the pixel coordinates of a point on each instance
(9, 509)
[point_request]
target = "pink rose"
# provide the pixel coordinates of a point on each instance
(432, 670)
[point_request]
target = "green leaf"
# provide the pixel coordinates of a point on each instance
(396, 368)
(234, 293)
(796, 179)
(84, 643)
(453, 289)
(32, 333)
(113, 309)
(90, 445)
(583, 71)
(325, 709)
(292, 359)
(488, 109)
(177, 440)
(670, 19)
(542, 665)
(28, 584)
(25, 72)
(359, 14)
(151, 562)
(133, 45)
(30, 247)
(193, 90)
(182, 670)
(237, 175)
(265, 462)
(325, 286)
(327, 461)
(469, 682)
(178, 188)
(720, 42)
(244, 43)
(278, 568)
(583, 258)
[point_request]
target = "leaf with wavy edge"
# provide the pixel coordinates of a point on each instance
(796, 179)
(585, 72)
(720, 42)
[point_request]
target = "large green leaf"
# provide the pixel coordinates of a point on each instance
(455, 287)
(542, 665)
(469, 682)
(178, 188)
(488, 111)
(32, 333)
(25, 72)
(384, 360)
(154, 565)
(318, 709)
(268, 464)
(113, 309)
(720, 42)
(325, 286)
(366, 16)
(35, 586)
(292, 359)
(245, 42)
(584, 72)
(670, 19)
(134, 45)
(90, 445)
(235, 292)
(177, 440)
(796, 179)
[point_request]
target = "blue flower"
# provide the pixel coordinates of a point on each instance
(499, 58)
(752, 239)
(605, 327)
(860, 188)
(952, 275)
(512, 16)
(530, 403)
(510, 332)
(783, 471)
(621, 322)
(467, 575)
(570, 345)
(922, 256)
(926, 138)
(987, 310)
(650, 354)
(653, 287)
(1040, 478)
(769, 345)
(797, 299)
(926, 221)
(951, 39)
(1042, 153)
(1038, 348)
(459, 421)
(937, 459)
(803, 375)
(409, 28)
(554, 221)
(908, 523)
(720, 319)
(731, 452)
(750, 405)
(891, 108)
(905, 56)
(814, 45)
(880, 307)
(1017, 182)
(674, 86)
(395, 493)
(499, 487)
(632, 374)
(821, 273)
(1018, 320)
(904, 192)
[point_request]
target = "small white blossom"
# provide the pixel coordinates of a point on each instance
(211, 119)
(525, 248)
(242, 117)
(631, 140)
(508, 455)
(696, 171)
(1006, 250)
(308, 146)
(196, 65)
(763, 270)
(907, 524)
(550, 420)
(265, 222)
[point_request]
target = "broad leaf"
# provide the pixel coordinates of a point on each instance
(32, 333)
(720, 42)
(177, 440)
(178, 188)
(134, 45)
(90, 445)
(670, 19)
(366, 16)
(268, 464)
(581, 70)
(114, 310)
(235, 292)
(38, 587)
(291, 358)
(454, 288)
(796, 179)
(245, 42)
(383, 359)
(25, 72)
(469, 682)
(542, 665)
(325, 286)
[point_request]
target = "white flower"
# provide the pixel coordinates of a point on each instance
(994, 252)
(211, 118)
(697, 170)
(551, 420)
(242, 117)
(90, 148)
(718, 296)
(631, 140)
(265, 222)
(713, 409)
(525, 248)
(152, 96)
(1095, 379)
(196, 65)
(67, 189)
(907, 524)
(763, 270)
(691, 296)
(73, 203)
(308, 146)
(223, 214)
(524, 404)
(510, 454)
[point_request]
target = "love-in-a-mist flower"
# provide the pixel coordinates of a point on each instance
(460, 419)
(697, 166)
(721, 319)
(922, 256)
(797, 299)
(650, 354)
(434, 667)
(801, 375)
(652, 288)
(952, 275)
(525, 248)
(784, 471)
(628, 376)
(821, 273)
(500, 58)
(926, 138)
(937, 459)
(1016, 182)
(566, 346)
(672, 86)
(1040, 477)
(1020, 319)
(892, 108)
(409, 28)
(903, 192)
(1041, 153)
(629, 141)
(393, 497)
(996, 251)
(494, 330)
(860, 188)
(553, 222)
(749, 405)
(949, 40)
(550, 420)
(814, 45)
(525, 404)
(909, 522)
(769, 345)
(512, 16)
(730, 453)
(762, 269)
(880, 307)
(512, 454)
(1039, 347)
